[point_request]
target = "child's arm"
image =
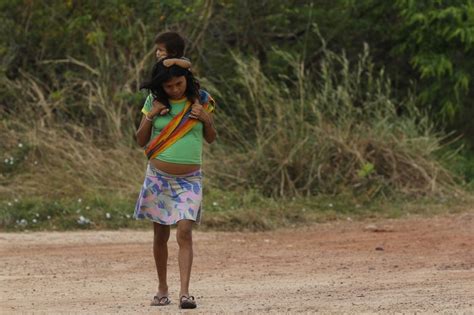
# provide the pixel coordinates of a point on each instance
(183, 63)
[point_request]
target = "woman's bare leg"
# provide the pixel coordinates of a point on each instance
(160, 252)
(185, 255)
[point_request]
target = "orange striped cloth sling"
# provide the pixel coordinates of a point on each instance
(178, 126)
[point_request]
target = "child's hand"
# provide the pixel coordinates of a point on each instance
(169, 62)
(180, 62)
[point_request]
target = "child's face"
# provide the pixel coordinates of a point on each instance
(161, 51)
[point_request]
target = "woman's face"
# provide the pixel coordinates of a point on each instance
(175, 87)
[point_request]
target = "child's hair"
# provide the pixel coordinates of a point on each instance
(160, 74)
(173, 42)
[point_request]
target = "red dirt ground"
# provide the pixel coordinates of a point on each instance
(426, 265)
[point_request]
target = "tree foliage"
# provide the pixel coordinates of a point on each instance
(64, 47)
(428, 44)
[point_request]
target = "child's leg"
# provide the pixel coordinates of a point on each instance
(185, 255)
(160, 252)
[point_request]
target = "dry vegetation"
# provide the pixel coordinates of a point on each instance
(337, 131)
(304, 134)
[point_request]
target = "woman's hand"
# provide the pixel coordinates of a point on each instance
(198, 112)
(157, 109)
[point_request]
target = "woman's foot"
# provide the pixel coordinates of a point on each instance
(187, 302)
(160, 300)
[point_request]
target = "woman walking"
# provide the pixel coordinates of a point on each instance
(177, 116)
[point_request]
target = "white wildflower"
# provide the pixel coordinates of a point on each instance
(10, 204)
(20, 145)
(82, 220)
(107, 215)
(34, 221)
(79, 200)
(215, 204)
(6, 161)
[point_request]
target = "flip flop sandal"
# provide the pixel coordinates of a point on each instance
(187, 302)
(160, 301)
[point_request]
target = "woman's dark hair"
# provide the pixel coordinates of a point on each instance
(161, 74)
(173, 42)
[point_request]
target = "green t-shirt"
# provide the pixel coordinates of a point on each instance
(188, 149)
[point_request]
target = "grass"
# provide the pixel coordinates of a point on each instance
(308, 148)
(66, 214)
(463, 167)
(326, 132)
(223, 211)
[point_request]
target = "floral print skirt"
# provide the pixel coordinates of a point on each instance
(165, 198)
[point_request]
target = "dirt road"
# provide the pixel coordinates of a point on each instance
(405, 265)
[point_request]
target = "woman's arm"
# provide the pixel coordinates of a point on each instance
(143, 133)
(210, 132)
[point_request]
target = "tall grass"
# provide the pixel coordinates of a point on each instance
(75, 121)
(100, 93)
(64, 161)
(335, 131)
